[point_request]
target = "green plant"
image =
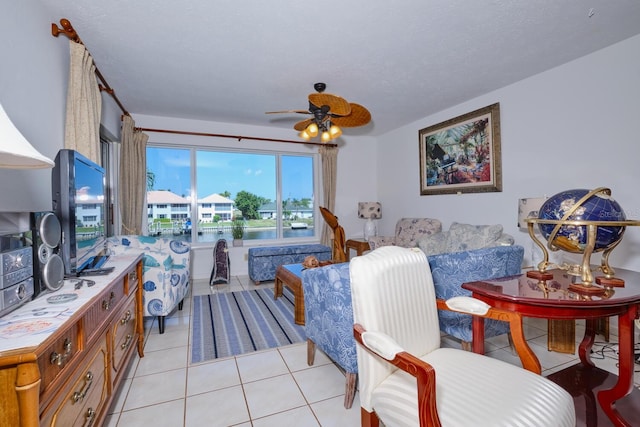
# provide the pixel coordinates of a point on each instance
(237, 228)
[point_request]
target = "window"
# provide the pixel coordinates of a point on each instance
(272, 193)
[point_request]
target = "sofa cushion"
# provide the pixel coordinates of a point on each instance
(434, 244)
(465, 237)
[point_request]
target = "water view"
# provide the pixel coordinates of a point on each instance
(209, 235)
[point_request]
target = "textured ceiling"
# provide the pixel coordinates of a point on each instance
(231, 61)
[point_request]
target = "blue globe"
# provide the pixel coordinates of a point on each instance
(598, 207)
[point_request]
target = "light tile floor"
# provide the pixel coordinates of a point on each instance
(272, 387)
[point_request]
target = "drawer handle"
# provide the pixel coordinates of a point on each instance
(90, 417)
(126, 318)
(106, 305)
(60, 359)
(79, 396)
(126, 342)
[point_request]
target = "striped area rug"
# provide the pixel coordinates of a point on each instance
(232, 323)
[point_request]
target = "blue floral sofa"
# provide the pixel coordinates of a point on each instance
(165, 271)
(328, 309)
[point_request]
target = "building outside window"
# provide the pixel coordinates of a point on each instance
(196, 193)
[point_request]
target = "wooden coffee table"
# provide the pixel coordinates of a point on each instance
(289, 276)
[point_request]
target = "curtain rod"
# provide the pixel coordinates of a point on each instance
(67, 30)
(238, 137)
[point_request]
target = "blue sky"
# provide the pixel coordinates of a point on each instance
(228, 171)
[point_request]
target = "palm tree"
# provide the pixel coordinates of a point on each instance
(151, 180)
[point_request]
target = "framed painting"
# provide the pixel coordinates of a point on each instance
(462, 155)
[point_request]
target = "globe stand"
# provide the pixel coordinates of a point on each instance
(603, 284)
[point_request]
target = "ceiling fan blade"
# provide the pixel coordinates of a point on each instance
(300, 126)
(337, 105)
(359, 116)
(288, 111)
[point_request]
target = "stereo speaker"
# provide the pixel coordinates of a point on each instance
(48, 267)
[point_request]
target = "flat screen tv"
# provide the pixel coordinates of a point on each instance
(78, 186)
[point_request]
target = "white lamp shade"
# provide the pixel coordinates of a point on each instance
(15, 150)
(529, 208)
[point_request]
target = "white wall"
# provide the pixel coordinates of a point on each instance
(575, 126)
(33, 92)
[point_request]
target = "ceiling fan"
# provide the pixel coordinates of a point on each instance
(330, 113)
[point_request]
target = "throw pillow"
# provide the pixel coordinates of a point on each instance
(434, 244)
(466, 237)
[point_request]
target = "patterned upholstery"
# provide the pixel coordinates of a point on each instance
(165, 271)
(451, 270)
(408, 232)
(327, 297)
(328, 316)
(327, 301)
(263, 262)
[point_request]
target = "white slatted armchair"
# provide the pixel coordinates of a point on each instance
(406, 379)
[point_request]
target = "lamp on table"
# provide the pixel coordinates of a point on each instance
(369, 211)
(529, 208)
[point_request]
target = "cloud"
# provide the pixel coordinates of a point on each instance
(252, 172)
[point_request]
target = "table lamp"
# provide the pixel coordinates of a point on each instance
(529, 208)
(369, 211)
(15, 150)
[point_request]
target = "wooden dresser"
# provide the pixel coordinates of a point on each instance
(62, 357)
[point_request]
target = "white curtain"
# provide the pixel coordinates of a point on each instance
(133, 177)
(84, 104)
(329, 158)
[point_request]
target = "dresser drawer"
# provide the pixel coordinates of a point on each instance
(132, 282)
(82, 399)
(107, 304)
(124, 334)
(57, 356)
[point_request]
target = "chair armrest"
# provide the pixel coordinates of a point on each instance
(381, 344)
(468, 305)
(423, 372)
(527, 357)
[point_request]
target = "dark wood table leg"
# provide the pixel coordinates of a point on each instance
(277, 288)
(298, 302)
(477, 325)
(624, 386)
(584, 350)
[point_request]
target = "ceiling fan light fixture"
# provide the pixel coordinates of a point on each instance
(312, 130)
(335, 131)
(304, 135)
(329, 114)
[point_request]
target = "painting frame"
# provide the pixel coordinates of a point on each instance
(462, 154)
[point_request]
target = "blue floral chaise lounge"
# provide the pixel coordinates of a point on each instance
(165, 272)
